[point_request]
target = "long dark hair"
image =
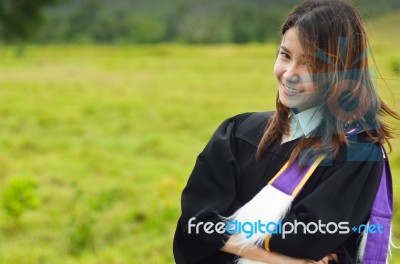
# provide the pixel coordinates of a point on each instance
(332, 33)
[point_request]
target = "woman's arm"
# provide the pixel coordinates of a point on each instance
(258, 254)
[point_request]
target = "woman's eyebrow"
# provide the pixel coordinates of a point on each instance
(285, 49)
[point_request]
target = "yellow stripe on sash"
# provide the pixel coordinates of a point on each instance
(266, 243)
(308, 175)
(305, 178)
(279, 173)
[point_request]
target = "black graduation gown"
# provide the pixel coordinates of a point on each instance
(226, 176)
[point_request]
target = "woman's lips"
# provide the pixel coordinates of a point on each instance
(290, 90)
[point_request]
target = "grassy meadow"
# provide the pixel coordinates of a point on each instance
(110, 134)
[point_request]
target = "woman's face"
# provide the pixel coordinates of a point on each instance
(293, 74)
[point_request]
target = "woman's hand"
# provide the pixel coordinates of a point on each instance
(326, 259)
(263, 256)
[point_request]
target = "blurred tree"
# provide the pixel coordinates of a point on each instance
(144, 21)
(255, 23)
(373, 8)
(19, 19)
(81, 22)
(202, 23)
(146, 28)
(243, 23)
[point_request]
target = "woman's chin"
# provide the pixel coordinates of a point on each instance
(287, 103)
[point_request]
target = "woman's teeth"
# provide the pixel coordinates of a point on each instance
(291, 90)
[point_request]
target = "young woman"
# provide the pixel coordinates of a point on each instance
(327, 109)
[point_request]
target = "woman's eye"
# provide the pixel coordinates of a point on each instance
(285, 55)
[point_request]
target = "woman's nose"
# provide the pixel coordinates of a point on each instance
(292, 74)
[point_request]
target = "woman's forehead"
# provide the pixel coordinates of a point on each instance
(291, 42)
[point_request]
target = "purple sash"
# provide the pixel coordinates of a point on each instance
(376, 249)
(290, 182)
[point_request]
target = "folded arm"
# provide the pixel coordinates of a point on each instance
(261, 255)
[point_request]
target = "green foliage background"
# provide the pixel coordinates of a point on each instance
(182, 21)
(111, 133)
(20, 19)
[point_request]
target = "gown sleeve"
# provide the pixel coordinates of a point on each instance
(345, 194)
(210, 192)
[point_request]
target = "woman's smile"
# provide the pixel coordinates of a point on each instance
(289, 90)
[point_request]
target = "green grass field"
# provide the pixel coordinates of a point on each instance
(111, 134)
